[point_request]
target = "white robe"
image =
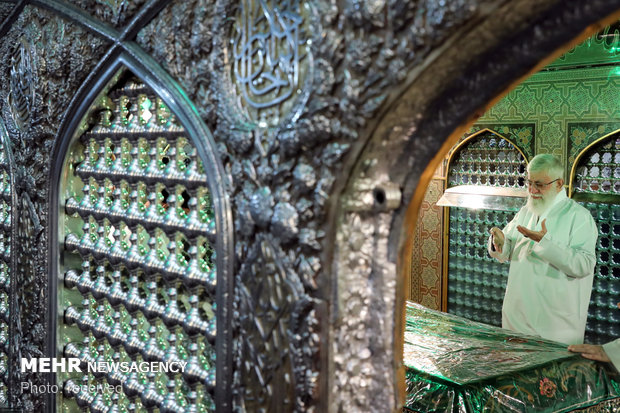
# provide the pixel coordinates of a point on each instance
(550, 281)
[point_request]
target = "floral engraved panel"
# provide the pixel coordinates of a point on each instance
(29, 323)
(5, 10)
(270, 58)
(46, 59)
(115, 12)
(7, 293)
(22, 79)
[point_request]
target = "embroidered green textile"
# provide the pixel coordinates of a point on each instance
(454, 364)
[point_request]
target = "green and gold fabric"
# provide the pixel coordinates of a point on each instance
(454, 364)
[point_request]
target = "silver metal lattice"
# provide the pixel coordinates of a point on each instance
(596, 184)
(489, 160)
(599, 171)
(476, 282)
(139, 261)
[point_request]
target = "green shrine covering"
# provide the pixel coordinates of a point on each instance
(457, 365)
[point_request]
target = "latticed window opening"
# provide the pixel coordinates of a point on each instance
(599, 171)
(597, 187)
(476, 282)
(139, 258)
(487, 159)
(603, 319)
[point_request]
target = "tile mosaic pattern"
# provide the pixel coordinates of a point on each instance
(582, 134)
(553, 100)
(520, 135)
(427, 254)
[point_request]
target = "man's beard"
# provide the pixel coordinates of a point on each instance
(539, 206)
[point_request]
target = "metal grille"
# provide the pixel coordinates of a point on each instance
(476, 282)
(599, 170)
(139, 259)
(487, 159)
(603, 314)
(596, 183)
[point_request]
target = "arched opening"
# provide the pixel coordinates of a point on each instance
(576, 140)
(594, 184)
(142, 249)
(486, 171)
(404, 155)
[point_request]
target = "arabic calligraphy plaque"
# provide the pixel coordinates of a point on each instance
(270, 59)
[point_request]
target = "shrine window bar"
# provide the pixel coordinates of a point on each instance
(138, 257)
(595, 184)
(484, 188)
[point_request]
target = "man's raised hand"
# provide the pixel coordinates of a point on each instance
(533, 235)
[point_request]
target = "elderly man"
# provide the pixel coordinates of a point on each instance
(550, 244)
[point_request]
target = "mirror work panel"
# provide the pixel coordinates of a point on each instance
(138, 274)
(476, 282)
(595, 184)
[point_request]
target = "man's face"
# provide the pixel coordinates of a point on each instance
(541, 191)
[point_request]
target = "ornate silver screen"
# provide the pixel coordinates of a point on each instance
(598, 172)
(603, 315)
(476, 282)
(596, 184)
(139, 260)
(487, 159)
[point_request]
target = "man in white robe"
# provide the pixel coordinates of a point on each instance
(550, 244)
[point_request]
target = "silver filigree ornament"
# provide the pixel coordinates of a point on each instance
(270, 59)
(21, 96)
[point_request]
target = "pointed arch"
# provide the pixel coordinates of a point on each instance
(466, 142)
(169, 226)
(580, 158)
(470, 271)
(598, 164)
